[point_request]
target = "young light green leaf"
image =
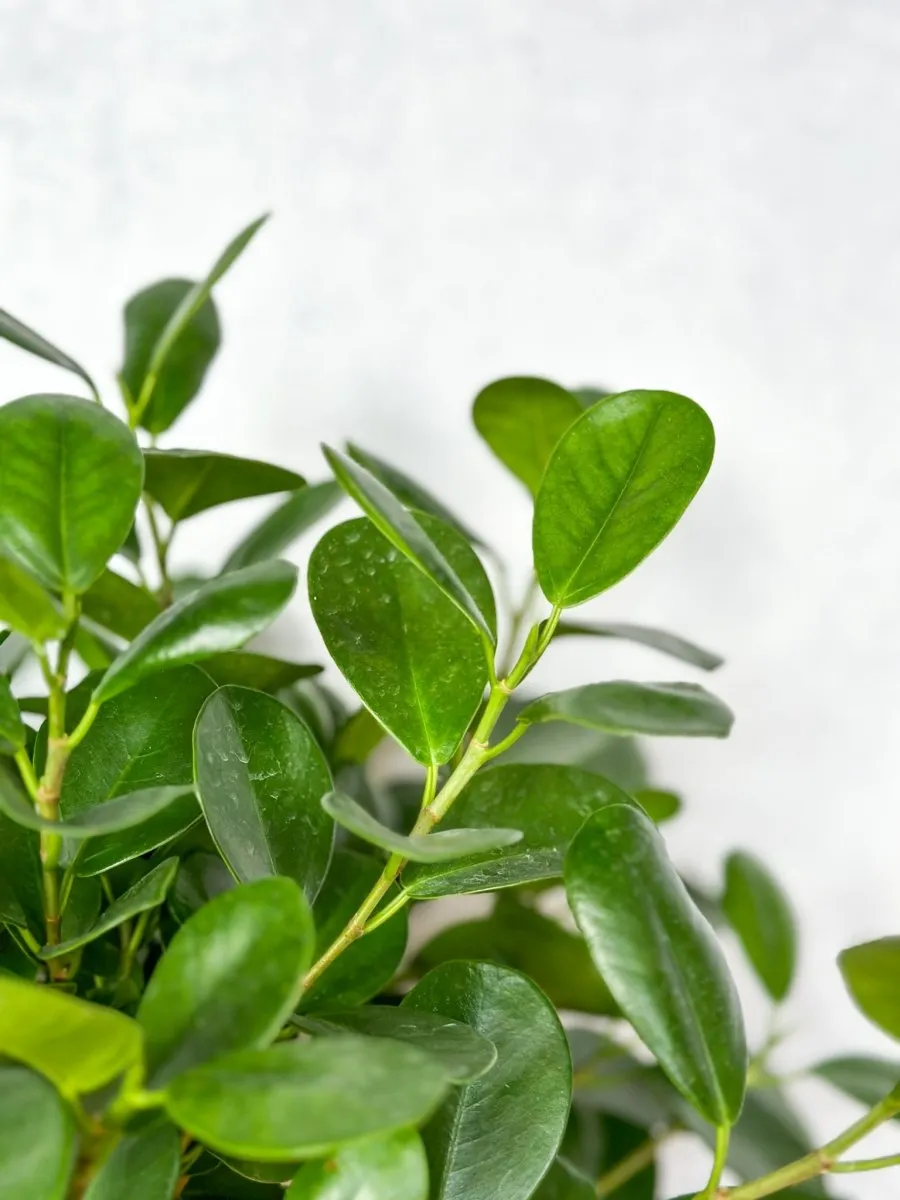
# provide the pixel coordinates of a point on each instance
(865, 1078)
(523, 1100)
(871, 973)
(283, 526)
(305, 1099)
(650, 709)
(548, 803)
(80, 1047)
(110, 817)
(119, 605)
(228, 979)
(760, 914)
(659, 958)
(15, 331)
(38, 1137)
(659, 806)
(259, 671)
(443, 846)
(405, 531)
(644, 635)
(385, 1168)
(143, 1166)
(522, 420)
(260, 776)
(616, 485)
(26, 607)
(55, 521)
(409, 653)
(219, 616)
(357, 738)
(187, 482)
(12, 729)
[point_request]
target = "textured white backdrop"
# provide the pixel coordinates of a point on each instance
(698, 196)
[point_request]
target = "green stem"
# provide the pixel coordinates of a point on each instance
(723, 1138)
(866, 1164)
(161, 545)
(625, 1170)
(385, 914)
(133, 944)
(519, 618)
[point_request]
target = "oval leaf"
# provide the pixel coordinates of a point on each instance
(37, 1137)
(523, 1100)
(620, 707)
(283, 526)
(119, 605)
(122, 813)
(387, 1168)
(21, 891)
(659, 958)
(26, 607)
(187, 482)
(522, 420)
(143, 1166)
(644, 635)
(871, 973)
(257, 671)
(761, 916)
(221, 615)
(15, 331)
(260, 776)
(56, 519)
(12, 729)
(616, 485)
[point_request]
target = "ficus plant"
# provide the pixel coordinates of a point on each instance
(209, 860)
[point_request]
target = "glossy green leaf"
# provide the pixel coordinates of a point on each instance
(564, 1182)
(119, 605)
(621, 1140)
(13, 734)
(14, 960)
(522, 420)
(357, 738)
(760, 914)
(386, 1168)
(219, 616)
(464, 1054)
(414, 660)
(143, 1166)
(644, 635)
(659, 958)
(259, 671)
(408, 534)
(521, 1103)
(57, 519)
(871, 973)
(260, 776)
(187, 482)
(281, 528)
(443, 846)
(15, 331)
(548, 803)
(38, 1138)
(616, 485)
(865, 1078)
(201, 876)
(21, 893)
(113, 849)
(649, 709)
(25, 606)
(659, 806)
(110, 817)
(228, 979)
(306, 1099)
(80, 1047)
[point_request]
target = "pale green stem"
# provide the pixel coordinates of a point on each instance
(632, 1164)
(720, 1158)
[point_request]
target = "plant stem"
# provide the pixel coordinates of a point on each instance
(161, 545)
(632, 1164)
(866, 1164)
(519, 618)
(723, 1138)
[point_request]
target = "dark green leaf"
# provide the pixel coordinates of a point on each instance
(548, 803)
(38, 1138)
(650, 709)
(861, 1076)
(201, 876)
(59, 517)
(613, 1082)
(212, 1180)
(587, 396)
(522, 1101)
(659, 806)
(13, 330)
(13, 735)
(357, 738)
(229, 978)
(112, 849)
(412, 657)
(21, 894)
(659, 957)
(645, 635)
(25, 606)
(219, 616)
(143, 1166)
(259, 671)
(564, 1182)
(622, 1139)
(187, 482)
(82, 907)
(14, 959)
(119, 605)
(871, 973)
(760, 914)
(260, 777)
(616, 485)
(306, 1099)
(386, 1168)
(522, 420)
(283, 526)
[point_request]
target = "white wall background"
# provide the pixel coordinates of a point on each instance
(699, 196)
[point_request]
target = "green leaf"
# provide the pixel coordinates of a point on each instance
(443, 846)
(659, 806)
(219, 616)
(865, 1078)
(38, 1138)
(761, 916)
(147, 893)
(259, 671)
(407, 533)
(659, 957)
(644, 635)
(111, 850)
(522, 1101)
(357, 738)
(387, 1168)
(305, 1099)
(522, 420)
(13, 330)
(284, 525)
(21, 893)
(260, 777)
(414, 660)
(25, 606)
(616, 485)
(119, 605)
(548, 803)
(201, 876)
(80, 1047)
(13, 735)
(57, 519)
(564, 1182)
(228, 979)
(650, 709)
(871, 973)
(187, 482)
(143, 1166)
(211, 1179)
(464, 1054)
